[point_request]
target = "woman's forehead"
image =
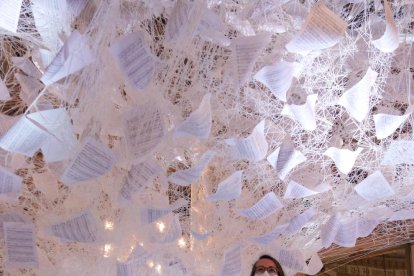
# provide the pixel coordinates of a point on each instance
(265, 262)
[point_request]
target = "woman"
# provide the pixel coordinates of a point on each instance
(267, 265)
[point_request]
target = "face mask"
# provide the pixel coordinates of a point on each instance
(263, 274)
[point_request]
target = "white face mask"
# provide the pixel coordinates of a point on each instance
(263, 274)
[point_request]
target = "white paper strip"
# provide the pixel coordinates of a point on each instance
(81, 228)
(278, 77)
(9, 14)
(399, 152)
(144, 130)
(329, 230)
(9, 217)
(266, 206)
(228, 189)
(322, 29)
(356, 99)
(389, 41)
(9, 182)
(295, 190)
(386, 124)
(232, 264)
(296, 223)
(191, 175)
(285, 158)
(73, 56)
(344, 159)
(21, 250)
(375, 186)
(212, 28)
(347, 234)
(304, 114)
(246, 50)
(270, 236)
(93, 160)
(134, 59)
(198, 124)
(253, 148)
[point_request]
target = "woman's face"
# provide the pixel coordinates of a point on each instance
(262, 266)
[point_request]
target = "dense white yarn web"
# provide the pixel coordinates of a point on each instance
(192, 234)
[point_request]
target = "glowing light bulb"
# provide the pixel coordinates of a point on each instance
(181, 242)
(161, 226)
(109, 225)
(107, 250)
(150, 264)
(158, 268)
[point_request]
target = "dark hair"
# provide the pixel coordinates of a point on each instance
(278, 266)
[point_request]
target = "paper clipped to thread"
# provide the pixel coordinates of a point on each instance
(296, 190)
(344, 158)
(389, 41)
(246, 50)
(229, 188)
(191, 175)
(285, 158)
(144, 129)
(278, 77)
(304, 114)
(386, 124)
(134, 59)
(399, 152)
(198, 124)
(270, 236)
(81, 228)
(232, 264)
(9, 14)
(375, 186)
(253, 148)
(21, 250)
(322, 29)
(266, 206)
(94, 159)
(9, 182)
(356, 99)
(73, 56)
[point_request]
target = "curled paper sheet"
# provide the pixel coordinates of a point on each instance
(399, 152)
(266, 206)
(304, 114)
(386, 124)
(389, 41)
(344, 159)
(253, 148)
(375, 186)
(232, 261)
(20, 244)
(356, 99)
(9, 14)
(322, 29)
(295, 190)
(229, 188)
(285, 158)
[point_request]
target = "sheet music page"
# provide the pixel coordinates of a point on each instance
(4, 91)
(9, 217)
(126, 269)
(266, 206)
(24, 137)
(198, 124)
(386, 124)
(278, 77)
(180, 17)
(9, 182)
(149, 215)
(375, 186)
(229, 188)
(191, 175)
(57, 123)
(285, 158)
(144, 130)
(232, 261)
(322, 29)
(399, 152)
(212, 28)
(134, 59)
(270, 236)
(81, 228)
(246, 50)
(295, 190)
(347, 233)
(329, 230)
(9, 14)
(291, 259)
(21, 249)
(299, 221)
(93, 160)
(27, 66)
(253, 148)
(344, 158)
(389, 41)
(74, 55)
(139, 176)
(304, 114)
(356, 99)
